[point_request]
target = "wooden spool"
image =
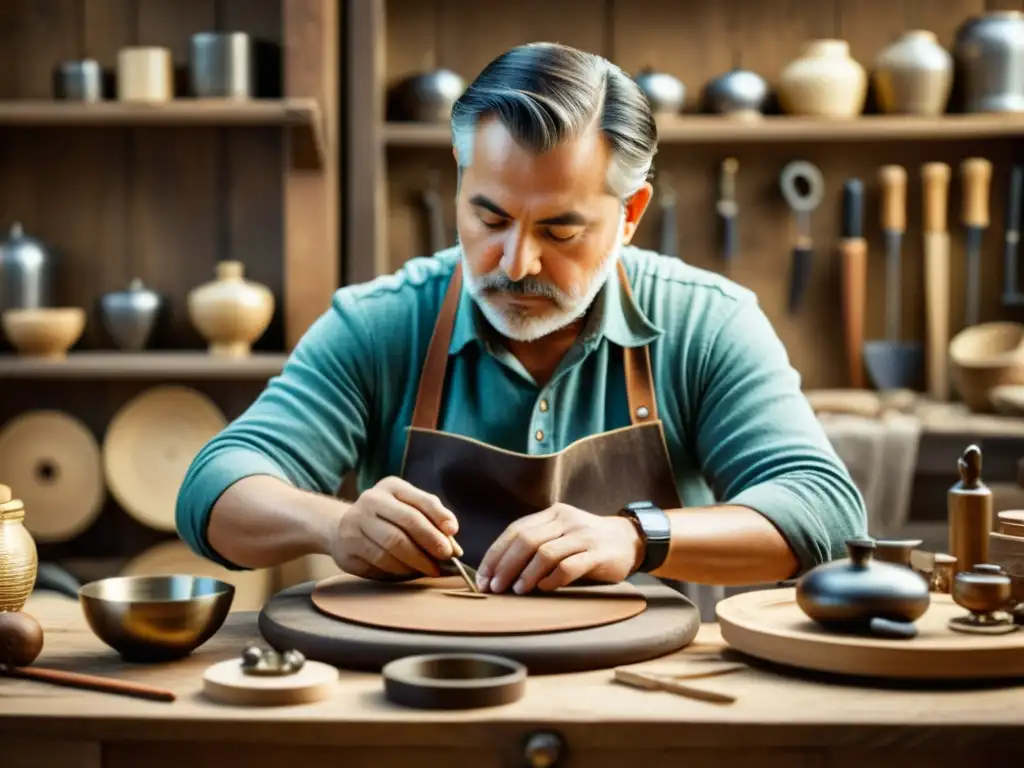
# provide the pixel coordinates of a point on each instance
(227, 683)
(769, 625)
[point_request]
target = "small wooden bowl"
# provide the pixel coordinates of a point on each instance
(44, 332)
(984, 357)
(454, 681)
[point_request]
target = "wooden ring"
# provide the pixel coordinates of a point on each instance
(454, 681)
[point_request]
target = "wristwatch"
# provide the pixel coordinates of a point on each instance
(655, 528)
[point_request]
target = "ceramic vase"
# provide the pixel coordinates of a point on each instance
(989, 54)
(130, 314)
(231, 313)
(19, 561)
(824, 81)
(914, 75)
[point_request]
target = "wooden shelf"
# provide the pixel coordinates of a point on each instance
(301, 117)
(143, 365)
(720, 130)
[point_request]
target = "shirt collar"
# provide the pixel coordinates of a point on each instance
(616, 317)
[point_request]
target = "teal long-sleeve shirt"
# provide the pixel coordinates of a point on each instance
(738, 428)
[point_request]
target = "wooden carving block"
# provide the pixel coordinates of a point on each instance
(1008, 553)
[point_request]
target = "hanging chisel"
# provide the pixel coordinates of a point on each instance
(728, 208)
(1012, 296)
(803, 187)
(853, 249)
(935, 181)
(977, 178)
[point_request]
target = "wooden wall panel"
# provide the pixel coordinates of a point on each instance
(163, 204)
(697, 41)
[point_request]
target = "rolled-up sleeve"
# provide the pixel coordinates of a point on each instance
(308, 427)
(761, 446)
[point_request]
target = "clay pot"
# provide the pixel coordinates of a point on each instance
(989, 52)
(231, 313)
(665, 93)
(738, 94)
(914, 75)
(130, 314)
(983, 357)
(44, 332)
(19, 561)
(824, 81)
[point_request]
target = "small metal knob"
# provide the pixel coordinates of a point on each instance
(543, 749)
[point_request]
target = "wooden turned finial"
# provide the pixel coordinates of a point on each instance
(969, 465)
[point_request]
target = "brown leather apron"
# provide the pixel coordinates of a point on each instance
(488, 488)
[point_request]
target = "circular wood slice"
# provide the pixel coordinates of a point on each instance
(226, 683)
(454, 681)
(769, 625)
(669, 623)
(428, 605)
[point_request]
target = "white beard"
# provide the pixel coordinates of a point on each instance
(569, 306)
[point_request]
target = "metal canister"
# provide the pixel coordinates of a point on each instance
(78, 81)
(221, 65)
(989, 54)
(26, 272)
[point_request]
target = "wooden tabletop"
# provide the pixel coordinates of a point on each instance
(774, 707)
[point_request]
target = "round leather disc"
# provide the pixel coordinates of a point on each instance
(51, 461)
(424, 606)
(149, 445)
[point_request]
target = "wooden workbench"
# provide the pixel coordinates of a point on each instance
(778, 720)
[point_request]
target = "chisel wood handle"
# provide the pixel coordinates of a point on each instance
(935, 180)
(977, 175)
(894, 197)
(854, 254)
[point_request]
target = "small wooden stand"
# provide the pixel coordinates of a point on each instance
(227, 683)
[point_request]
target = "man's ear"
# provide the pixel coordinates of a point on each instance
(636, 205)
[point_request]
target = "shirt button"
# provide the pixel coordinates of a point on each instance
(544, 405)
(539, 435)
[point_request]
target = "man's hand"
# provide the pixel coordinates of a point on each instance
(394, 530)
(553, 548)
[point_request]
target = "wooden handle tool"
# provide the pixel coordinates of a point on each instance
(728, 209)
(935, 181)
(88, 682)
(893, 179)
(853, 249)
(654, 682)
(977, 180)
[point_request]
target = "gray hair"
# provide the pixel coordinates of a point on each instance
(547, 93)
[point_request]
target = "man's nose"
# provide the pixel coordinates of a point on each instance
(521, 256)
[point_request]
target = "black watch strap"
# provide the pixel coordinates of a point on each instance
(656, 528)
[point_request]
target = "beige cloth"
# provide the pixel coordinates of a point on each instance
(881, 456)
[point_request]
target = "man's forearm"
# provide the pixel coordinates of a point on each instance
(261, 522)
(726, 546)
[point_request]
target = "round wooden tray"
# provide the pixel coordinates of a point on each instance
(149, 445)
(670, 622)
(769, 625)
(226, 683)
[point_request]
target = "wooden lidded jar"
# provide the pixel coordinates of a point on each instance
(823, 81)
(19, 561)
(231, 313)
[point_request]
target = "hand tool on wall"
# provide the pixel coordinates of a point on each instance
(1012, 297)
(669, 222)
(853, 249)
(728, 209)
(977, 179)
(437, 238)
(935, 182)
(803, 187)
(893, 363)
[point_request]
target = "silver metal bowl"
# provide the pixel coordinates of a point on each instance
(156, 618)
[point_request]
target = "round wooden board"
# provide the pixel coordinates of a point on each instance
(51, 461)
(149, 445)
(423, 606)
(173, 557)
(670, 622)
(226, 683)
(769, 625)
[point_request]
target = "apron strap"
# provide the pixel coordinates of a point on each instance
(636, 362)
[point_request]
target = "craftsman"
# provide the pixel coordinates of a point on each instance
(690, 439)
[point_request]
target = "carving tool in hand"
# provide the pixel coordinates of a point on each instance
(853, 250)
(1012, 297)
(728, 209)
(455, 567)
(977, 178)
(669, 219)
(803, 187)
(935, 181)
(893, 363)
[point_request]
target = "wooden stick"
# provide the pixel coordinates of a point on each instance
(650, 682)
(88, 682)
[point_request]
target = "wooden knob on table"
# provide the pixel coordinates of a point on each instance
(935, 178)
(894, 197)
(977, 174)
(21, 639)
